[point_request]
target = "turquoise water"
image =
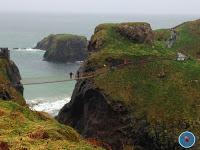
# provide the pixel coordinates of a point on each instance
(44, 97)
(25, 30)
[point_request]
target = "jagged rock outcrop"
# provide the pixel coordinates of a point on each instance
(64, 48)
(11, 88)
(97, 40)
(14, 76)
(92, 115)
(136, 32)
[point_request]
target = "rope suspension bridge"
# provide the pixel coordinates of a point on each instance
(86, 75)
(92, 74)
(55, 81)
(83, 75)
(4, 52)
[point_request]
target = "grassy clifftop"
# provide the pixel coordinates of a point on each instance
(53, 40)
(188, 39)
(164, 92)
(110, 42)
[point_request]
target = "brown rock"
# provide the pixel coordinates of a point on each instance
(4, 146)
(39, 134)
(136, 32)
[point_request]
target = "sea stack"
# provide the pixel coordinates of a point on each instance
(64, 48)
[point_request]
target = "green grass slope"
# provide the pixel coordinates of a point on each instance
(22, 128)
(188, 38)
(116, 46)
(164, 92)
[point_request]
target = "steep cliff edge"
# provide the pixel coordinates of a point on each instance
(10, 78)
(94, 116)
(146, 103)
(14, 76)
(64, 48)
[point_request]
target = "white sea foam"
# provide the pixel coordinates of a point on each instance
(52, 107)
(29, 50)
(79, 62)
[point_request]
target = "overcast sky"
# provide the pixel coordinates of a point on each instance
(103, 6)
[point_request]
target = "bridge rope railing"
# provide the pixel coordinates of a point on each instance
(81, 76)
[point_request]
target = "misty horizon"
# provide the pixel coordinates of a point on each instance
(178, 7)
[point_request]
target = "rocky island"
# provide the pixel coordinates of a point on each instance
(64, 48)
(146, 97)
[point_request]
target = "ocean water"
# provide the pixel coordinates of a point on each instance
(25, 30)
(44, 97)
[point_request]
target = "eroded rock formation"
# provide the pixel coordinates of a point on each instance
(64, 48)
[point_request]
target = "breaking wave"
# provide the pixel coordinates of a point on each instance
(28, 50)
(51, 107)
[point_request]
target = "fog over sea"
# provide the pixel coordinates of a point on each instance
(25, 30)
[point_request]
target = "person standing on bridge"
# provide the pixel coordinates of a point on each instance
(71, 75)
(78, 74)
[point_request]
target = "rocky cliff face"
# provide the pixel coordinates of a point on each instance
(137, 32)
(14, 76)
(94, 117)
(10, 82)
(135, 106)
(64, 48)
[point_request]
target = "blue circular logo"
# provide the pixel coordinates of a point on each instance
(187, 139)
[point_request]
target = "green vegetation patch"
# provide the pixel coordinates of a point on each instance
(188, 38)
(113, 44)
(164, 92)
(22, 128)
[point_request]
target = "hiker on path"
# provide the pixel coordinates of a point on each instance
(78, 74)
(71, 75)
